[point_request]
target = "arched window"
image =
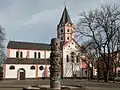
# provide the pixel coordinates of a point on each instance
(17, 54)
(12, 67)
(35, 55)
(32, 67)
(77, 57)
(67, 58)
(41, 67)
(72, 56)
(39, 55)
(21, 54)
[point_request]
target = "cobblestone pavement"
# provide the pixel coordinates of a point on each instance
(90, 85)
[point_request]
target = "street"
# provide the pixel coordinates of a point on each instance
(89, 85)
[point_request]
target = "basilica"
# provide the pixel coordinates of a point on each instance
(32, 60)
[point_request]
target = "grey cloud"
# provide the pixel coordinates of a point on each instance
(38, 19)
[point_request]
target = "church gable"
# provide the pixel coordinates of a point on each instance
(72, 45)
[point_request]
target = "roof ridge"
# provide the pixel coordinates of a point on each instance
(27, 42)
(28, 45)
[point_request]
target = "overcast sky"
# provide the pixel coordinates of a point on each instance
(36, 20)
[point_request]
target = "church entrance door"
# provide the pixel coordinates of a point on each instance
(21, 74)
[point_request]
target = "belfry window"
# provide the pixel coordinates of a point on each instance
(61, 38)
(61, 30)
(68, 30)
(39, 55)
(17, 54)
(35, 55)
(67, 38)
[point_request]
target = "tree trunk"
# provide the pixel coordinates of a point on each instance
(115, 70)
(88, 73)
(106, 74)
(91, 73)
(98, 74)
(115, 73)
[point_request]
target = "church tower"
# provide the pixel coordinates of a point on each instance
(65, 28)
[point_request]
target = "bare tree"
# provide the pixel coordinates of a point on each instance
(115, 48)
(2, 45)
(100, 25)
(89, 50)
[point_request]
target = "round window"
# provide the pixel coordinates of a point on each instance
(32, 67)
(41, 67)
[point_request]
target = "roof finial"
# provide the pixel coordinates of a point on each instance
(65, 3)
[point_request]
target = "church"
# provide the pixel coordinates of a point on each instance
(32, 60)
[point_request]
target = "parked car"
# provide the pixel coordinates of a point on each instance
(117, 78)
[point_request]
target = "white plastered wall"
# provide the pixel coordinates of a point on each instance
(37, 51)
(67, 66)
(48, 54)
(28, 72)
(13, 73)
(40, 72)
(31, 52)
(13, 53)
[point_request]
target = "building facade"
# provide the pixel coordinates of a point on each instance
(26, 60)
(71, 61)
